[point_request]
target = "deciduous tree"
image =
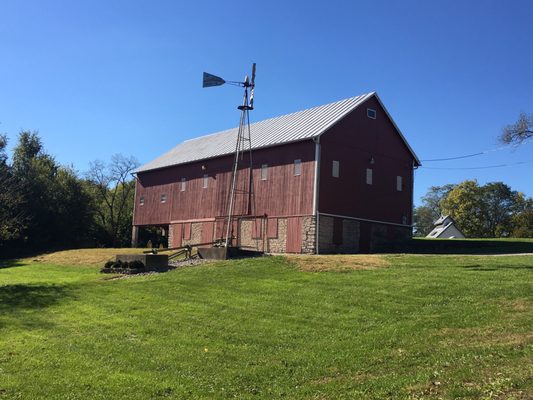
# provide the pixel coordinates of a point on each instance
(518, 132)
(113, 188)
(12, 219)
(425, 215)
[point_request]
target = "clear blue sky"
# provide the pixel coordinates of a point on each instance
(103, 77)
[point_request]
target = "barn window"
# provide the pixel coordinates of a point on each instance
(297, 167)
(371, 113)
(163, 198)
(264, 172)
(141, 201)
(399, 183)
(183, 184)
(206, 181)
(369, 176)
(335, 169)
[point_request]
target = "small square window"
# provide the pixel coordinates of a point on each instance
(297, 167)
(371, 113)
(206, 181)
(399, 183)
(183, 184)
(335, 169)
(141, 201)
(163, 198)
(264, 172)
(369, 176)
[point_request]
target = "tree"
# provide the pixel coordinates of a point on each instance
(35, 172)
(465, 204)
(522, 219)
(483, 211)
(425, 215)
(55, 200)
(518, 132)
(113, 190)
(12, 220)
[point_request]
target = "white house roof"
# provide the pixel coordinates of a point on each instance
(444, 223)
(442, 219)
(298, 126)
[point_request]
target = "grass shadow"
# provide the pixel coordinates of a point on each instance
(463, 246)
(478, 267)
(19, 297)
(4, 264)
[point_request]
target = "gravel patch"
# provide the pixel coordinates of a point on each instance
(191, 262)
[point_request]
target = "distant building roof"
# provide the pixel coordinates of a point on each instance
(445, 228)
(298, 126)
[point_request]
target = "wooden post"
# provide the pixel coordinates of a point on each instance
(134, 236)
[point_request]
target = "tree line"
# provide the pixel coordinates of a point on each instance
(492, 210)
(46, 205)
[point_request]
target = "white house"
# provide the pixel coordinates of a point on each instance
(445, 228)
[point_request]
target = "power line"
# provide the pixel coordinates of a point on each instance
(474, 154)
(454, 158)
(484, 167)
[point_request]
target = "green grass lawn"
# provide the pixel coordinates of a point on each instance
(415, 327)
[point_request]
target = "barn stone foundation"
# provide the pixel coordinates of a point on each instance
(309, 235)
(279, 243)
(358, 236)
(350, 236)
(335, 235)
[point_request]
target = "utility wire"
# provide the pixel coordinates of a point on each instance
(475, 154)
(485, 167)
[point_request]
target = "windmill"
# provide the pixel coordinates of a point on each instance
(243, 145)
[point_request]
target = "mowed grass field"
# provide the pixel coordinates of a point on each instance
(339, 327)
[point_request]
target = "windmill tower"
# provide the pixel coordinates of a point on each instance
(243, 153)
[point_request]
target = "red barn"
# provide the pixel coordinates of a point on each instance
(334, 178)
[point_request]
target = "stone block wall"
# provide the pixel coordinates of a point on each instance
(245, 239)
(196, 234)
(309, 234)
(170, 235)
(350, 236)
(279, 244)
(383, 237)
(388, 237)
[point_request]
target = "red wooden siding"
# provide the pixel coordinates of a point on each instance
(257, 228)
(207, 231)
(177, 234)
(355, 142)
(272, 228)
(294, 235)
(187, 227)
(282, 194)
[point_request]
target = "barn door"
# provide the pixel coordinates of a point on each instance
(294, 235)
(207, 231)
(177, 234)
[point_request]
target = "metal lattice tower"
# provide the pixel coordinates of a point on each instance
(243, 147)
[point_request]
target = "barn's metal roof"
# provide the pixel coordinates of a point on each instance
(298, 126)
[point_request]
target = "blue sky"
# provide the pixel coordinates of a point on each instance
(103, 77)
